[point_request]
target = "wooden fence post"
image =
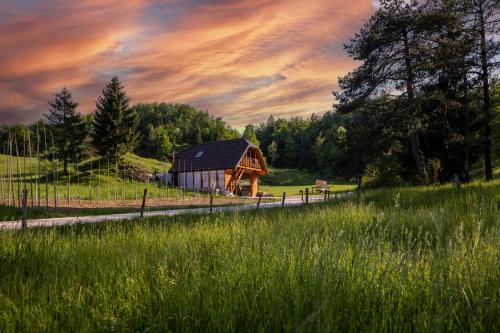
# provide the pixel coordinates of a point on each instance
(143, 202)
(258, 202)
(24, 223)
(325, 194)
(283, 200)
(307, 195)
(211, 199)
(301, 196)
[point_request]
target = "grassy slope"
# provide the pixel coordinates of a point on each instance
(412, 259)
(292, 181)
(106, 181)
(131, 159)
(147, 163)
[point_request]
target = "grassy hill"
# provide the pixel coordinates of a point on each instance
(146, 163)
(88, 179)
(405, 259)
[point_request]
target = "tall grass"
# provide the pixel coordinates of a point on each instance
(85, 182)
(403, 260)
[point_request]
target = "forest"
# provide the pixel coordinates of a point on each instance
(420, 108)
(154, 130)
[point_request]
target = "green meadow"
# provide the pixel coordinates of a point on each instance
(292, 181)
(402, 259)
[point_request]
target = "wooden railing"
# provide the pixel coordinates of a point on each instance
(248, 162)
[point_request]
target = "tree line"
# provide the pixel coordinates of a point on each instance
(115, 128)
(422, 106)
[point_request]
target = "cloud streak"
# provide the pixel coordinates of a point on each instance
(240, 59)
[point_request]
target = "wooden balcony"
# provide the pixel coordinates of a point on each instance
(250, 163)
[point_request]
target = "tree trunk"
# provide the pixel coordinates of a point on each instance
(65, 166)
(417, 153)
(488, 169)
(466, 131)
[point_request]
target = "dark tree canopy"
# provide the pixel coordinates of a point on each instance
(66, 126)
(115, 122)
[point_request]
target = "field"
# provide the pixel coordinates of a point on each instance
(93, 189)
(88, 181)
(404, 259)
(292, 181)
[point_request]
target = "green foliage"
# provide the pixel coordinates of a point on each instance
(402, 260)
(382, 172)
(436, 60)
(293, 143)
(496, 120)
(115, 123)
(272, 152)
(167, 127)
(67, 127)
(249, 134)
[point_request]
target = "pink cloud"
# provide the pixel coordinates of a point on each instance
(242, 60)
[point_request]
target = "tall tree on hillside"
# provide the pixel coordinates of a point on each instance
(115, 123)
(67, 127)
(249, 134)
(389, 46)
(448, 78)
(485, 27)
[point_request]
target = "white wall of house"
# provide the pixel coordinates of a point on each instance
(197, 179)
(201, 179)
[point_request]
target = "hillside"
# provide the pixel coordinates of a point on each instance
(89, 179)
(147, 164)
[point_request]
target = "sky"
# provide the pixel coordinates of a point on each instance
(240, 59)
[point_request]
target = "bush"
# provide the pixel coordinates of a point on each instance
(382, 172)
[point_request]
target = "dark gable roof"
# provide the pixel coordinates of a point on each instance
(216, 155)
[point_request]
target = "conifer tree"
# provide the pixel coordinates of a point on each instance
(67, 127)
(390, 47)
(115, 123)
(485, 28)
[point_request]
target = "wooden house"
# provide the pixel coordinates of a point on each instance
(219, 164)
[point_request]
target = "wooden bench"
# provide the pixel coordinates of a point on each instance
(320, 186)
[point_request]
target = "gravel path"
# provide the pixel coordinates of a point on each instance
(60, 221)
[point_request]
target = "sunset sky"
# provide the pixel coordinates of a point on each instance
(240, 59)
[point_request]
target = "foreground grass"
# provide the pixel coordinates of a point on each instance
(403, 259)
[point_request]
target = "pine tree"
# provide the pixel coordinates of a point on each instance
(115, 122)
(389, 46)
(67, 127)
(485, 28)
